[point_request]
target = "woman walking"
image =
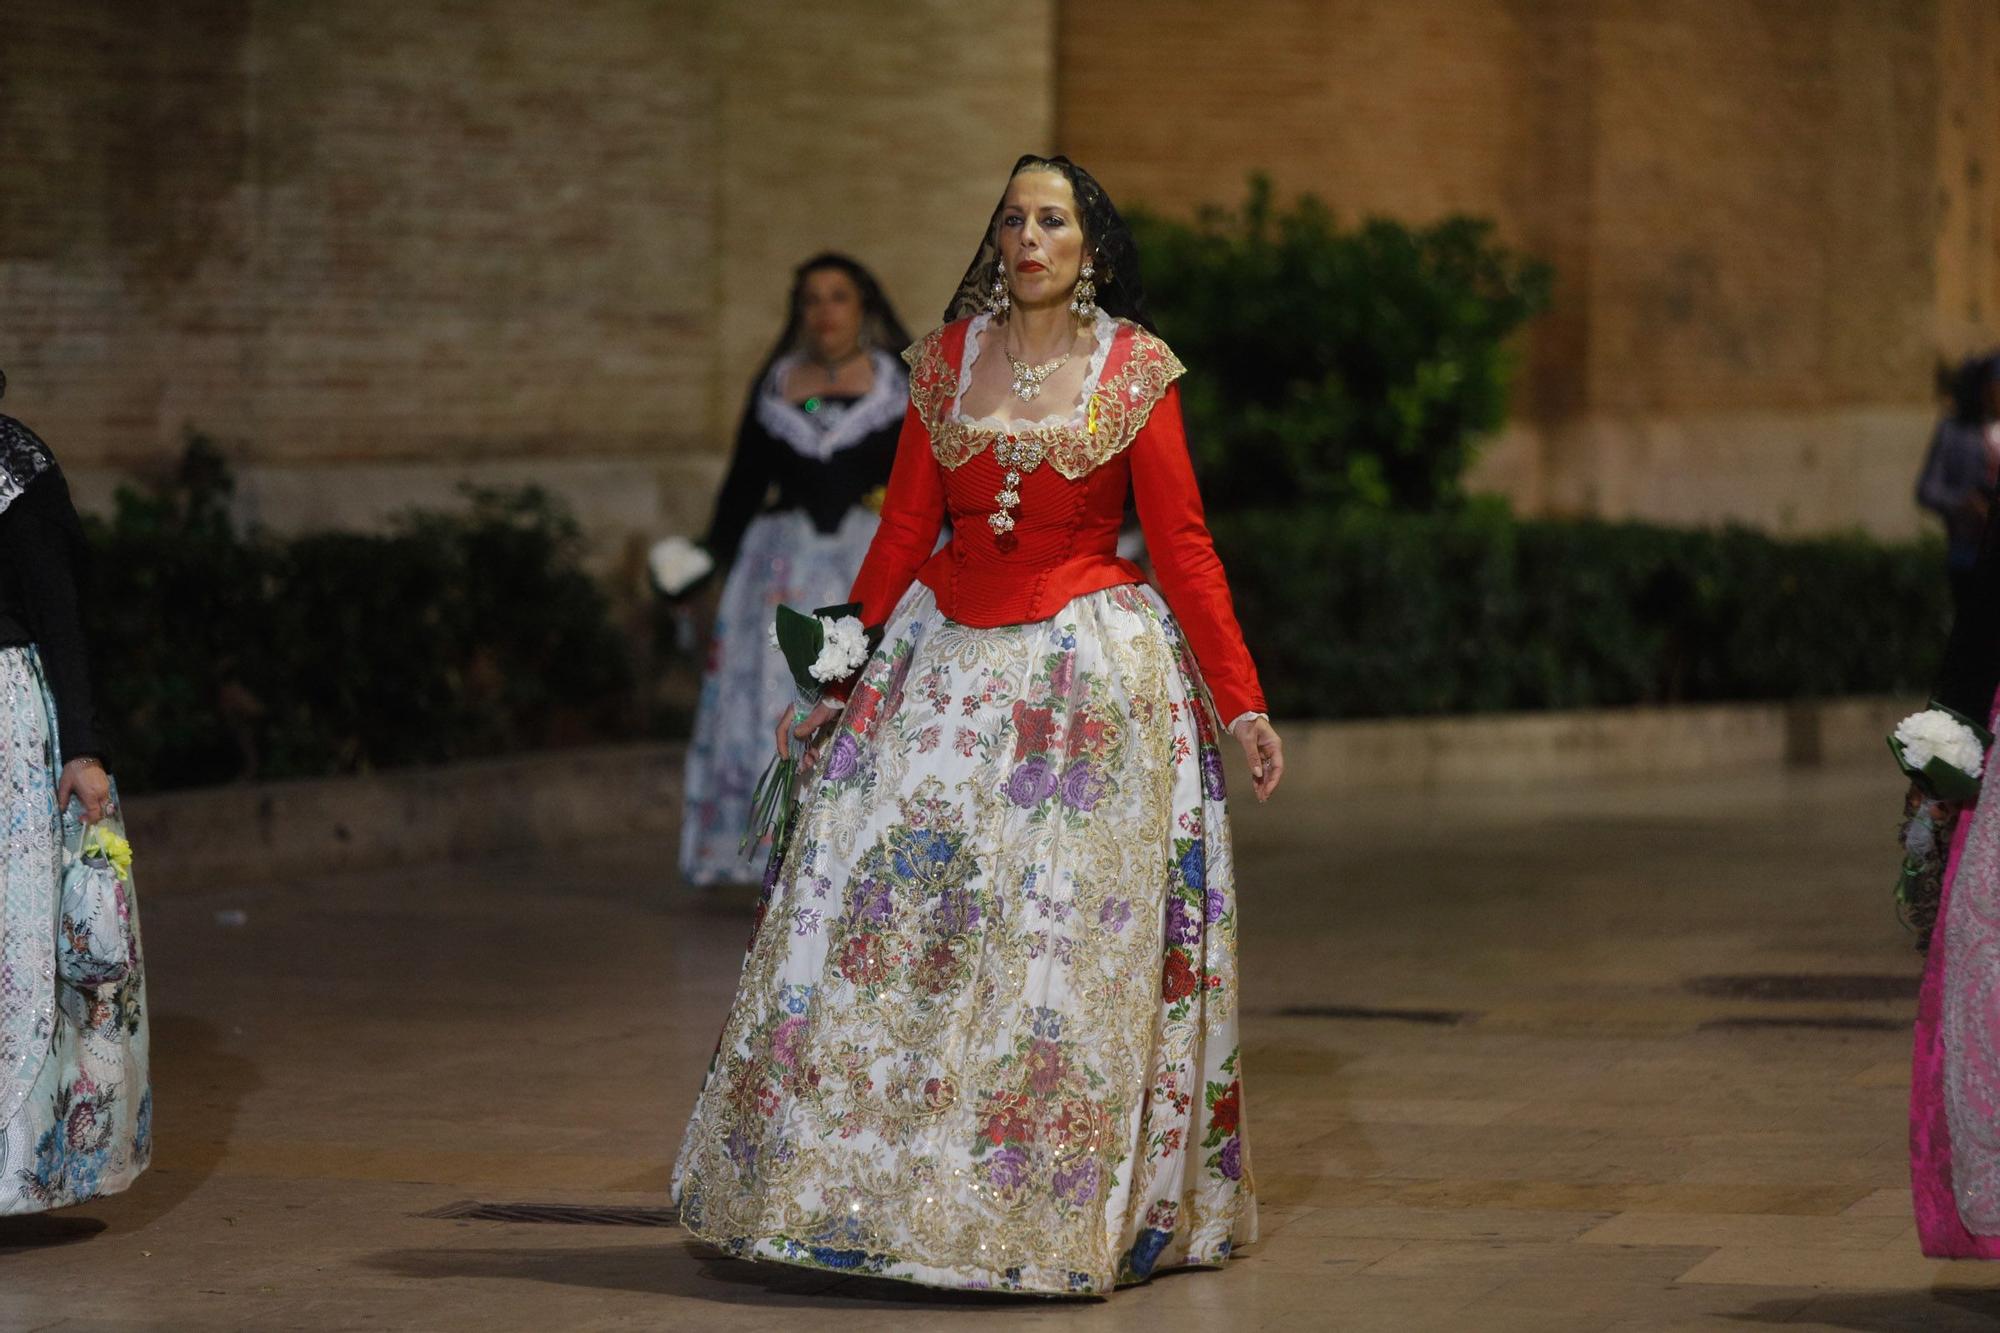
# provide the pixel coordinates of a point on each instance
(986, 1032)
(820, 429)
(1962, 464)
(75, 1104)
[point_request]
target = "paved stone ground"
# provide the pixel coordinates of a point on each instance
(1487, 1089)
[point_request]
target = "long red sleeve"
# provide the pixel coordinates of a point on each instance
(912, 516)
(1184, 559)
(1063, 542)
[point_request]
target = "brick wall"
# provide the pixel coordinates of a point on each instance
(382, 245)
(1768, 217)
(889, 138)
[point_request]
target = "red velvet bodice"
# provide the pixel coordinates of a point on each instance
(1065, 539)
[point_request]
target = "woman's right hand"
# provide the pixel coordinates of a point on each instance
(1263, 752)
(85, 779)
(790, 728)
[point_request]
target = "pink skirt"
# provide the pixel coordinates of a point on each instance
(1956, 1064)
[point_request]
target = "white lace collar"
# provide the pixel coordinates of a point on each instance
(836, 426)
(1104, 329)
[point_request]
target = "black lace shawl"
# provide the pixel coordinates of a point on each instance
(23, 457)
(1108, 239)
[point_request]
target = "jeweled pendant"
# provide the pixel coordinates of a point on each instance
(1013, 454)
(1028, 379)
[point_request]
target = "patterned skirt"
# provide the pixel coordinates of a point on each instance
(986, 1033)
(783, 559)
(1955, 1070)
(76, 1108)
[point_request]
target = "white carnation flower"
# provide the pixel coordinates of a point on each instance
(843, 649)
(1934, 734)
(677, 564)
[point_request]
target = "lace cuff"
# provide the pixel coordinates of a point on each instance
(1241, 718)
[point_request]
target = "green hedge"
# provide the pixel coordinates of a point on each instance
(1337, 365)
(221, 656)
(1381, 614)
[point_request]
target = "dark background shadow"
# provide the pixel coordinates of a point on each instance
(197, 1088)
(35, 1231)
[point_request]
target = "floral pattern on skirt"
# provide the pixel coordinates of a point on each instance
(82, 1125)
(986, 1032)
(784, 560)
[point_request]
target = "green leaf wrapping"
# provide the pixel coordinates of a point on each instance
(773, 804)
(800, 637)
(1937, 777)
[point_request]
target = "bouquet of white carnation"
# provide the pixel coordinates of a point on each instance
(1944, 754)
(820, 649)
(1942, 751)
(843, 650)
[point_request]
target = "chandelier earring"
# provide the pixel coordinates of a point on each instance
(999, 301)
(1084, 302)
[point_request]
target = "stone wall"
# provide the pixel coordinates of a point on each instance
(1768, 218)
(378, 248)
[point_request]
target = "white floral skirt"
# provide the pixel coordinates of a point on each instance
(784, 559)
(986, 1032)
(76, 1109)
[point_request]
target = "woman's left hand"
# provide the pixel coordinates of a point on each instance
(1264, 752)
(85, 779)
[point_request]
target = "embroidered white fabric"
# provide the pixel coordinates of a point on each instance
(820, 435)
(30, 878)
(1103, 329)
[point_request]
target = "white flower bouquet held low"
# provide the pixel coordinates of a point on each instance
(820, 649)
(677, 565)
(1944, 754)
(1942, 751)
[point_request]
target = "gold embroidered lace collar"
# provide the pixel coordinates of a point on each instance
(1114, 413)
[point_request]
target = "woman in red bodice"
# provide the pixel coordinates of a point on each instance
(986, 1033)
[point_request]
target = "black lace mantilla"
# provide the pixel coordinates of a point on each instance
(23, 457)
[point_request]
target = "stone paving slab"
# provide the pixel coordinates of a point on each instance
(1580, 1148)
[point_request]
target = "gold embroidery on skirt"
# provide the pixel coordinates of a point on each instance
(844, 1122)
